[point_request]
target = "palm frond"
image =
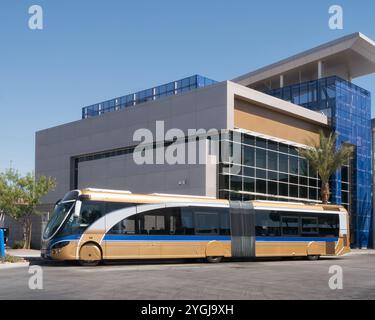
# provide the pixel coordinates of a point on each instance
(324, 158)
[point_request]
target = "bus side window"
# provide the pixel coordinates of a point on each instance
(91, 211)
(184, 222)
(290, 225)
(126, 226)
(309, 225)
(329, 225)
(206, 222)
(267, 223)
(153, 222)
(224, 222)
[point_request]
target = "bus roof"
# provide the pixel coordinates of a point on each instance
(297, 205)
(127, 196)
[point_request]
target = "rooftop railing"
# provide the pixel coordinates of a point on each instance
(169, 89)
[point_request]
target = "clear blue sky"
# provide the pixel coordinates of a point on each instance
(92, 50)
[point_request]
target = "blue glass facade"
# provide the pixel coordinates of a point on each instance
(349, 110)
(172, 88)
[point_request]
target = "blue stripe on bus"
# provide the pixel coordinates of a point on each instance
(295, 239)
(112, 237)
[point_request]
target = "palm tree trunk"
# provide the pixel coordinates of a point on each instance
(27, 224)
(325, 192)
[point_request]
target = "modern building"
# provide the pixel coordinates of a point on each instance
(261, 119)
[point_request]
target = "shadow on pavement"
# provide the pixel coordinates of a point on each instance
(51, 263)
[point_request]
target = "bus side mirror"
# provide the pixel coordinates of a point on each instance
(57, 203)
(77, 209)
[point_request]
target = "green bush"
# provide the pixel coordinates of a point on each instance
(18, 244)
(10, 259)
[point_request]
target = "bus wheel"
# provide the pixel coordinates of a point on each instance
(214, 259)
(90, 255)
(313, 257)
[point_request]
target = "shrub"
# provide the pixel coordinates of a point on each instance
(18, 244)
(11, 259)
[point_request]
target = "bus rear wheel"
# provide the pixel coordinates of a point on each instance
(214, 259)
(90, 255)
(313, 257)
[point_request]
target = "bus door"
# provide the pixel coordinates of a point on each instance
(119, 244)
(151, 226)
(343, 245)
(242, 219)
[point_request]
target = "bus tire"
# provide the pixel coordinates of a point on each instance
(90, 255)
(313, 257)
(214, 259)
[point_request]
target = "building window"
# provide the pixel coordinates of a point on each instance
(270, 170)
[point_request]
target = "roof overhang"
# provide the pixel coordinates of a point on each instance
(275, 104)
(349, 57)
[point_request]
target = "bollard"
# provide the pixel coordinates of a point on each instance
(2, 245)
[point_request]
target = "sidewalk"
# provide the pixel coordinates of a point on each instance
(24, 253)
(361, 251)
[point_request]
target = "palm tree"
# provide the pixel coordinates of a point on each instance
(325, 159)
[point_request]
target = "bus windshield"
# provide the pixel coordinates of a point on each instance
(87, 213)
(58, 217)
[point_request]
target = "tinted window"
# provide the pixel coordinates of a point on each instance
(272, 160)
(293, 165)
(267, 223)
(126, 227)
(261, 186)
(248, 156)
(206, 222)
(224, 222)
(329, 225)
(211, 221)
(91, 211)
(184, 223)
(176, 221)
(309, 226)
(289, 226)
(153, 223)
(283, 163)
(249, 184)
(261, 158)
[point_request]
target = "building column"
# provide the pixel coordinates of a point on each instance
(281, 81)
(320, 69)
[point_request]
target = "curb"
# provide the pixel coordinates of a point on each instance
(5, 266)
(360, 253)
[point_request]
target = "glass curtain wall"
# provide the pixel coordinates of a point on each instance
(269, 170)
(348, 108)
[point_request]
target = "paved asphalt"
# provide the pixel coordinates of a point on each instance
(281, 279)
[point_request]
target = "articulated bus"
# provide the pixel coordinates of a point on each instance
(92, 225)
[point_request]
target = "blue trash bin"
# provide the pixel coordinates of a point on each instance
(2, 244)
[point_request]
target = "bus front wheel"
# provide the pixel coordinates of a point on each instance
(214, 259)
(90, 255)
